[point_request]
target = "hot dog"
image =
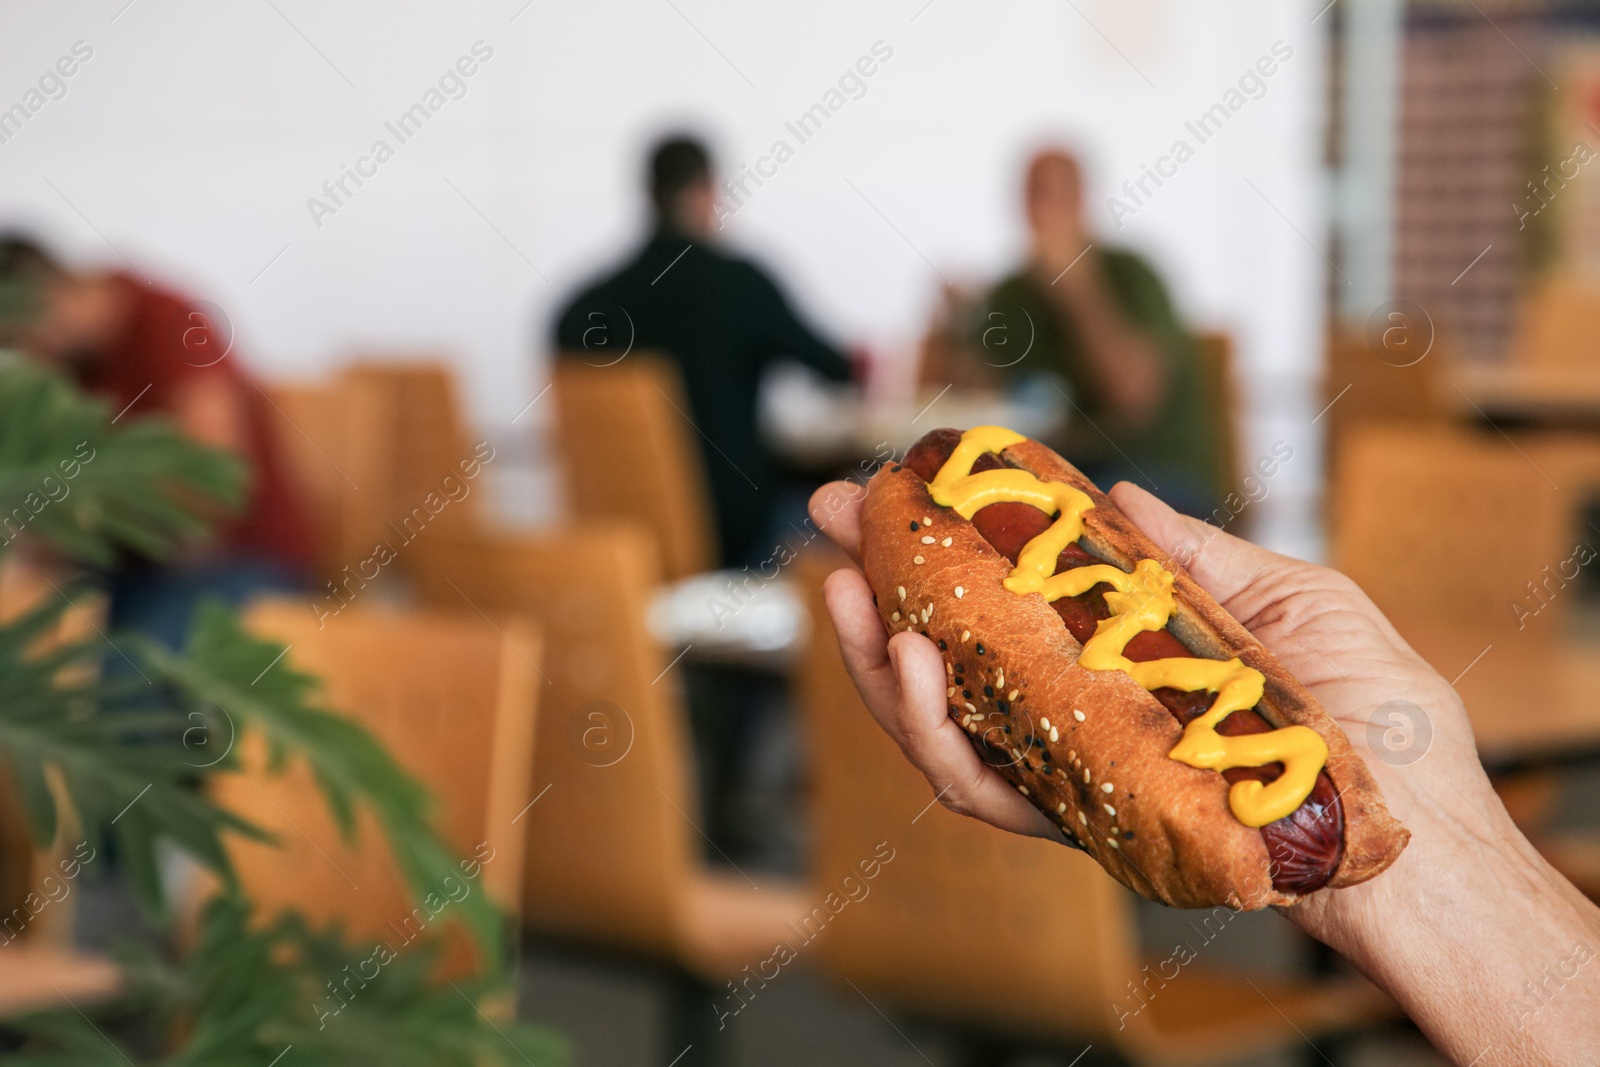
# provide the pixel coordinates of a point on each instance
(1112, 691)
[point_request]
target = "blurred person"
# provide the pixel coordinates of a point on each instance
(150, 351)
(723, 321)
(1467, 928)
(1100, 319)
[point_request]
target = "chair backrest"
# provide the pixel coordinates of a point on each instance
(1215, 351)
(454, 701)
(1478, 548)
(333, 437)
(1444, 526)
(630, 453)
(1359, 388)
(424, 440)
(24, 866)
(1556, 326)
(371, 449)
(308, 422)
(965, 921)
(609, 841)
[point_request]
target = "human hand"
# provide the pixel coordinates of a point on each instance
(1432, 930)
(1059, 240)
(1317, 622)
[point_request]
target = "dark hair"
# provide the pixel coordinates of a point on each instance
(675, 165)
(25, 267)
(22, 257)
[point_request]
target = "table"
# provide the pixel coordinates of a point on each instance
(1565, 394)
(816, 425)
(734, 617)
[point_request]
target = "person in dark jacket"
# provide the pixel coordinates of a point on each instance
(723, 320)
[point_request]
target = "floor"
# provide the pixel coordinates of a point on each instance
(617, 1018)
(617, 1014)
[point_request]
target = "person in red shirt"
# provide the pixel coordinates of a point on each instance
(150, 351)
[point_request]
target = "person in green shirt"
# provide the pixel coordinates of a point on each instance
(1100, 321)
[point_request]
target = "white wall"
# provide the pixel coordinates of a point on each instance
(194, 136)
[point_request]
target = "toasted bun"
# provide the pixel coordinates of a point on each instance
(1176, 839)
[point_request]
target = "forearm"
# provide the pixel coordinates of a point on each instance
(1489, 950)
(787, 336)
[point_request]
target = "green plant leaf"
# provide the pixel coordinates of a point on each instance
(227, 667)
(125, 775)
(72, 478)
(248, 991)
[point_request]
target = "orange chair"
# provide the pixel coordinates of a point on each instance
(614, 840)
(1450, 499)
(1470, 542)
(1362, 387)
(423, 440)
(630, 453)
(1421, 517)
(320, 428)
(453, 700)
(38, 969)
(368, 447)
(23, 865)
(1556, 327)
(1016, 935)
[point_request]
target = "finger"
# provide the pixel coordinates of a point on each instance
(939, 748)
(1224, 565)
(836, 511)
(863, 644)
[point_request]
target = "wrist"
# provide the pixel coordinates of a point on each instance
(1362, 922)
(1464, 930)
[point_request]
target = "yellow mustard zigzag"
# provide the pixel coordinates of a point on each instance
(1140, 601)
